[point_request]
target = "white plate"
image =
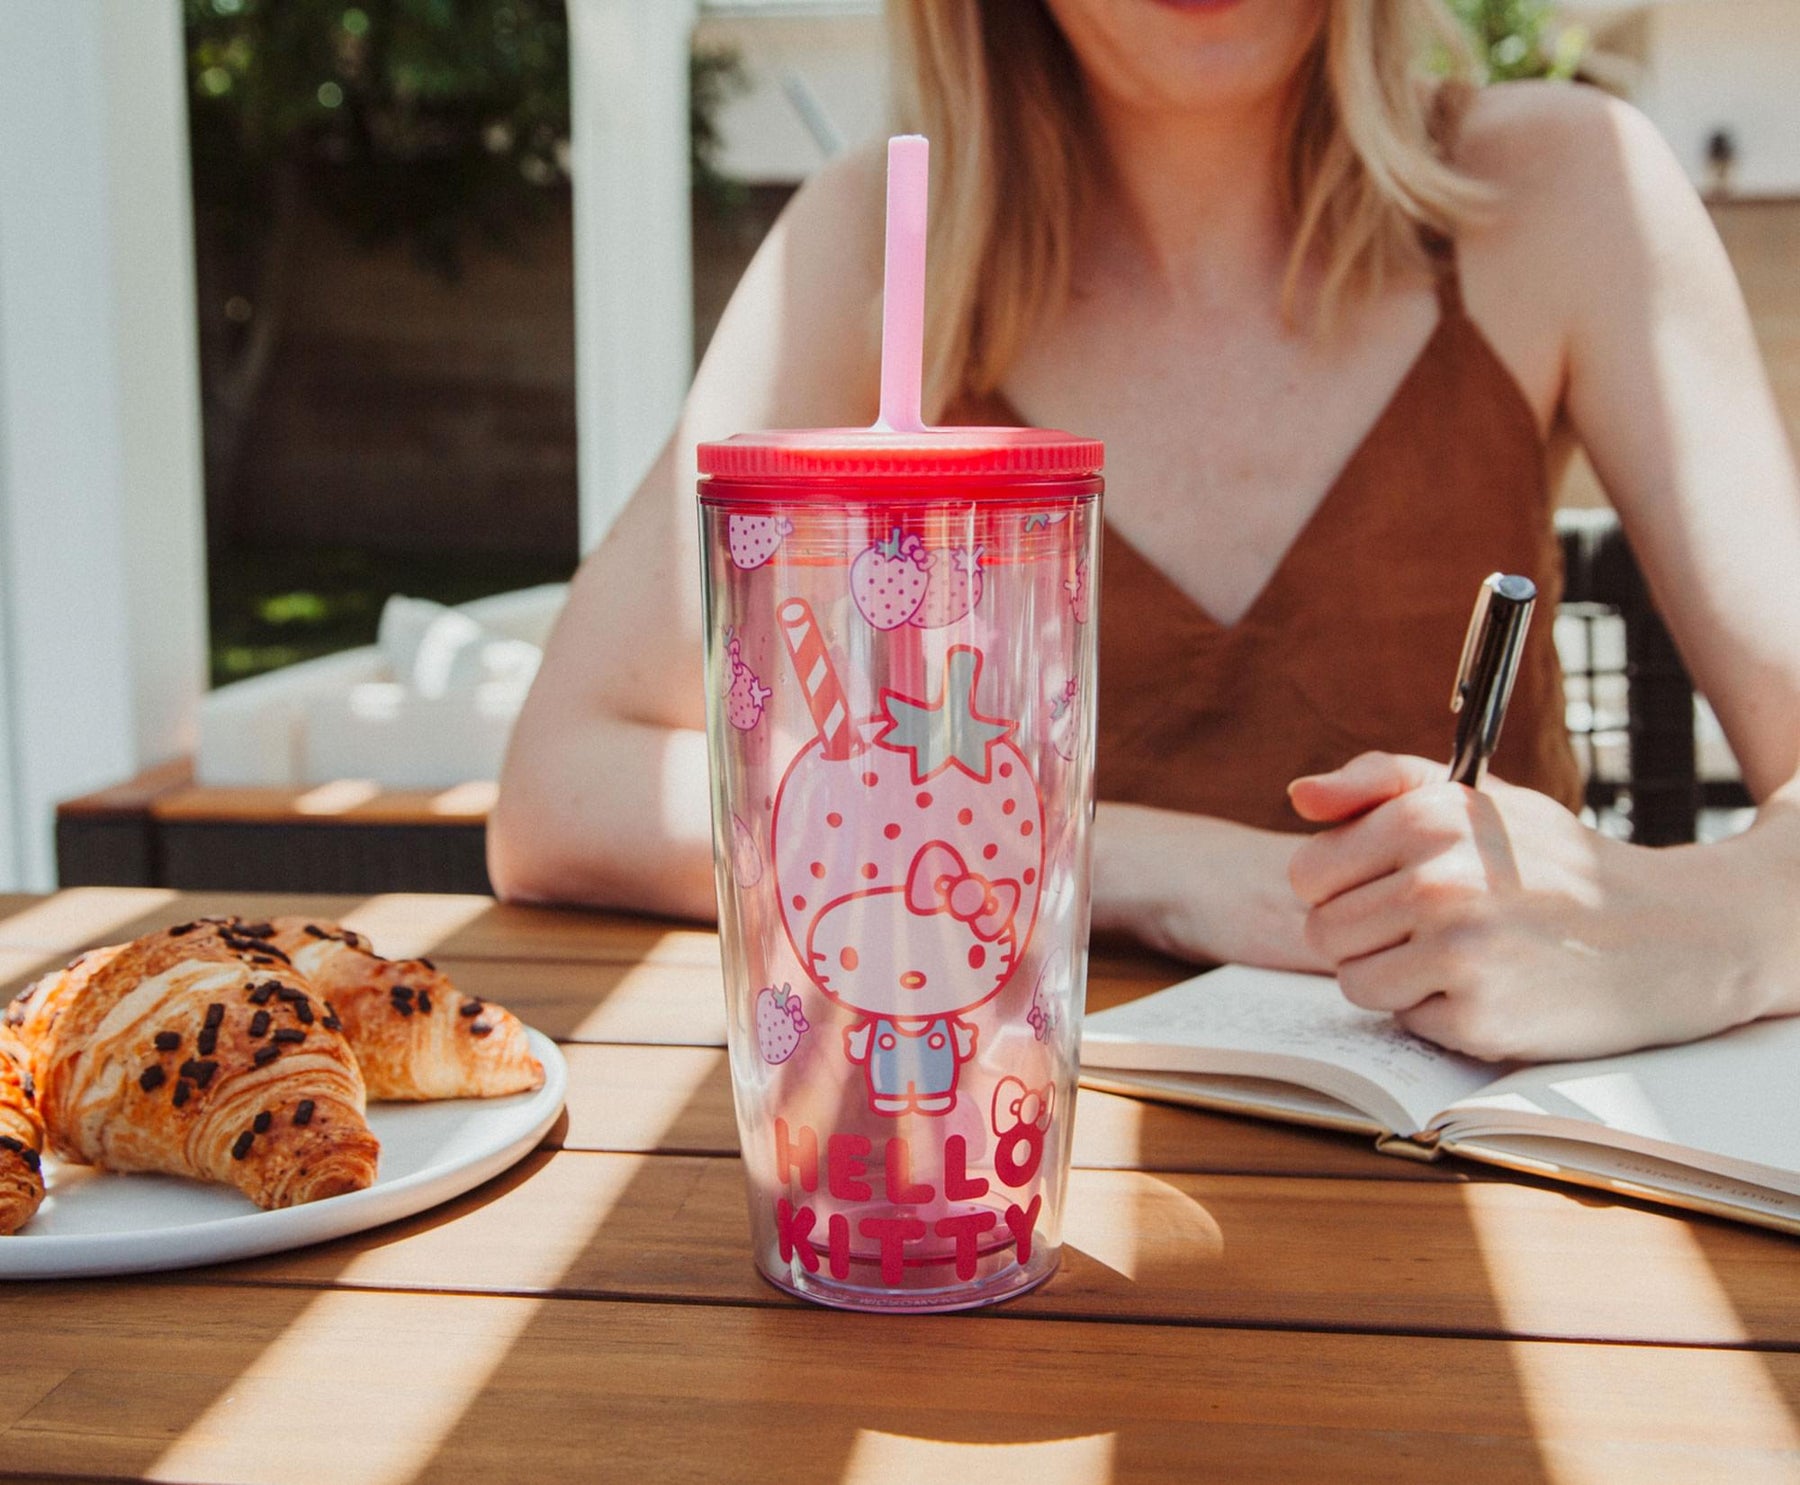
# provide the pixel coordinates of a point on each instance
(94, 1223)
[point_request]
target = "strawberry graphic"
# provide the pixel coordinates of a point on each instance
(753, 539)
(780, 1023)
(953, 590)
(1077, 589)
(908, 874)
(745, 696)
(888, 580)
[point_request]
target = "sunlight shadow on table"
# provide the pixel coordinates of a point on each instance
(407, 925)
(1154, 1218)
(1541, 1293)
(329, 1339)
(79, 916)
(1083, 1460)
(413, 1422)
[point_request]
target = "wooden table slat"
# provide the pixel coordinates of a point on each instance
(201, 1383)
(677, 1101)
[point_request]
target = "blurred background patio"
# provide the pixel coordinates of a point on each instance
(307, 308)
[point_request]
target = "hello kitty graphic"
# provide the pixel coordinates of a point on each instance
(908, 852)
(955, 947)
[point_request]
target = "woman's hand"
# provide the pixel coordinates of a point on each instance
(1494, 923)
(1199, 888)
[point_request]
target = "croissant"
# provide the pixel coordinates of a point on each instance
(416, 1035)
(199, 1052)
(21, 1138)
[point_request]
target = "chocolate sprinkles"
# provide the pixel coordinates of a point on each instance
(471, 1008)
(260, 995)
(152, 1078)
(242, 1147)
(207, 1042)
(479, 1028)
(290, 1035)
(22, 1150)
(200, 1072)
(265, 1055)
(244, 944)
(182, 1090)
(167, 1041)
(259, 1024)
(424, 1002)
(18, 1147)
(303, 1012)
(215, 1014)
(262, 1121)
(303, 1112)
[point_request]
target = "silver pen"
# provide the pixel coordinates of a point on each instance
(1485, 675)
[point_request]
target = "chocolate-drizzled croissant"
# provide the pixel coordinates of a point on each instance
(21, 1138)
(198, 1052)
(416, 1036)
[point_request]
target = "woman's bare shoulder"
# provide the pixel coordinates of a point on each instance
(846, 192)
(796, 344)
(1558, 150)
(1588, 208)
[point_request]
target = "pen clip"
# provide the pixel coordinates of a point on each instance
(1484, 601)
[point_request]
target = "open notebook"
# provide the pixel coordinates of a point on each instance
(1713, 1126)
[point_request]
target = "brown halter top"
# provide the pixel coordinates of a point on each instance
(1353, 643)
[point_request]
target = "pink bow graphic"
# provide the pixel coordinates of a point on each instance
(941, 882)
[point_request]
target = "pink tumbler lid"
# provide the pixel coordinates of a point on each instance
(873, 453)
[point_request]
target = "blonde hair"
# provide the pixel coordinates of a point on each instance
(996, 87)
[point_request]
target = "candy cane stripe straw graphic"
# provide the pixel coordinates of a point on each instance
(825, 695)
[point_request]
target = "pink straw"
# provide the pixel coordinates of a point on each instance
(903, 285)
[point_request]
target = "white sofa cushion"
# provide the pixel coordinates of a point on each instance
(429, 706)
(436, 651)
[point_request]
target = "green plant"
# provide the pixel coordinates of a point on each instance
(424, 120)
(715, 76)
(1521, 38)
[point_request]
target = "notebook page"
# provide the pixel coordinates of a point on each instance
(1243, 1020)
(1735, 1096)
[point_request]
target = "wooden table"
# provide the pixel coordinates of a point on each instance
(1237, 1301)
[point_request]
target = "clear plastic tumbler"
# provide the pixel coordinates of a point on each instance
(900, 686)
(900, 672)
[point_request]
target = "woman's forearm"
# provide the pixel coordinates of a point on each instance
(1198, 888)
(615, 812)
(618, 813)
